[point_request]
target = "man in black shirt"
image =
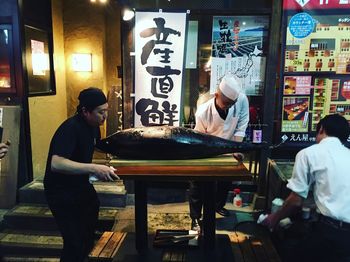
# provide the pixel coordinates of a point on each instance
(71, 197)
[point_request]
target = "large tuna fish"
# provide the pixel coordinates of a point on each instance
(167, 142)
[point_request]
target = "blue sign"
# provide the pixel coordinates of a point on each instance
(301, 25)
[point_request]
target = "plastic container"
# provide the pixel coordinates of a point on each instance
(306, 211)
(277, 203)
(237, 200)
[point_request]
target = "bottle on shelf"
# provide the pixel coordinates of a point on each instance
(191, 122)
(257, 132)
(183, 118)
(248, 133)
(237, 200)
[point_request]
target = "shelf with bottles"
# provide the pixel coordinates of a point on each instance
(190, 122)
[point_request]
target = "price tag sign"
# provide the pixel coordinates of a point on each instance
(301, 25)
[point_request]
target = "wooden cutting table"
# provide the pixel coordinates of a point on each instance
(206, 171)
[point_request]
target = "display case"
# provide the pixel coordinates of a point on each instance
(278, 173)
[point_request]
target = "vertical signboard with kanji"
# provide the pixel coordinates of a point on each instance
(159, 63)
(315, 71)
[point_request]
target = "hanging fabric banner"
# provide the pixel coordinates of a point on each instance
(159, 66)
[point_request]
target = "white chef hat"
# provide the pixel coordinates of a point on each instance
(230, 86)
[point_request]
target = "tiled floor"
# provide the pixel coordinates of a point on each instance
(176, 216)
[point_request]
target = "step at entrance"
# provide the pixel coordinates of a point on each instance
(110, 194)
(29, 259)
(38, 217)
(30, 244)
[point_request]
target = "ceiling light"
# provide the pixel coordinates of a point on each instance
(128, 14)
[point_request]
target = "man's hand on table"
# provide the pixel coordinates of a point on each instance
(271, 221)
(105, 173)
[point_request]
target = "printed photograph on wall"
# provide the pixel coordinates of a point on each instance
(297, 85)
(295, 114)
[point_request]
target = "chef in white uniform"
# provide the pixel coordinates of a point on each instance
(226, 115)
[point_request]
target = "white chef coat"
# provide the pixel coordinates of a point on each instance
(326, 167)
(209, 121)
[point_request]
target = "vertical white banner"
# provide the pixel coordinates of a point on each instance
(159, 63)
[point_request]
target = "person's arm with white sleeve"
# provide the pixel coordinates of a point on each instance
(243, 120)
(200, 125)
(299, 184)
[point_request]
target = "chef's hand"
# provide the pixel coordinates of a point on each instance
(238, 156)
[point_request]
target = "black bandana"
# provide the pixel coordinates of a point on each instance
(91, 98)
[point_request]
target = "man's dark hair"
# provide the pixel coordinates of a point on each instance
(335, 125)
(90, 98)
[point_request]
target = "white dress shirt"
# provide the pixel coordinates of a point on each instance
(325, 167)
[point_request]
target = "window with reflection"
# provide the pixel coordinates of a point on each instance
(218, 43)
(5, 57)
(39, 61)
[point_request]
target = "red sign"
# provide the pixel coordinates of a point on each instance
(315, 4)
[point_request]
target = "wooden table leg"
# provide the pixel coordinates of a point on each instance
(141, 230)
(209, 214)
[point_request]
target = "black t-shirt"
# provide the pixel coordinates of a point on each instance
(222, 113)
(74, 140)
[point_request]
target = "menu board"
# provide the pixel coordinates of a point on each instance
(315, 73)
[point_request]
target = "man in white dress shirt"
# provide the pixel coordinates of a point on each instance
(324, 168)
(226, 115)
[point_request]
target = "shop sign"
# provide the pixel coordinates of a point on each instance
(315, 4)
(159, 67)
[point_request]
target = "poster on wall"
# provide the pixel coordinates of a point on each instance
(159, 65)
(315, 73)
(239, 48)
